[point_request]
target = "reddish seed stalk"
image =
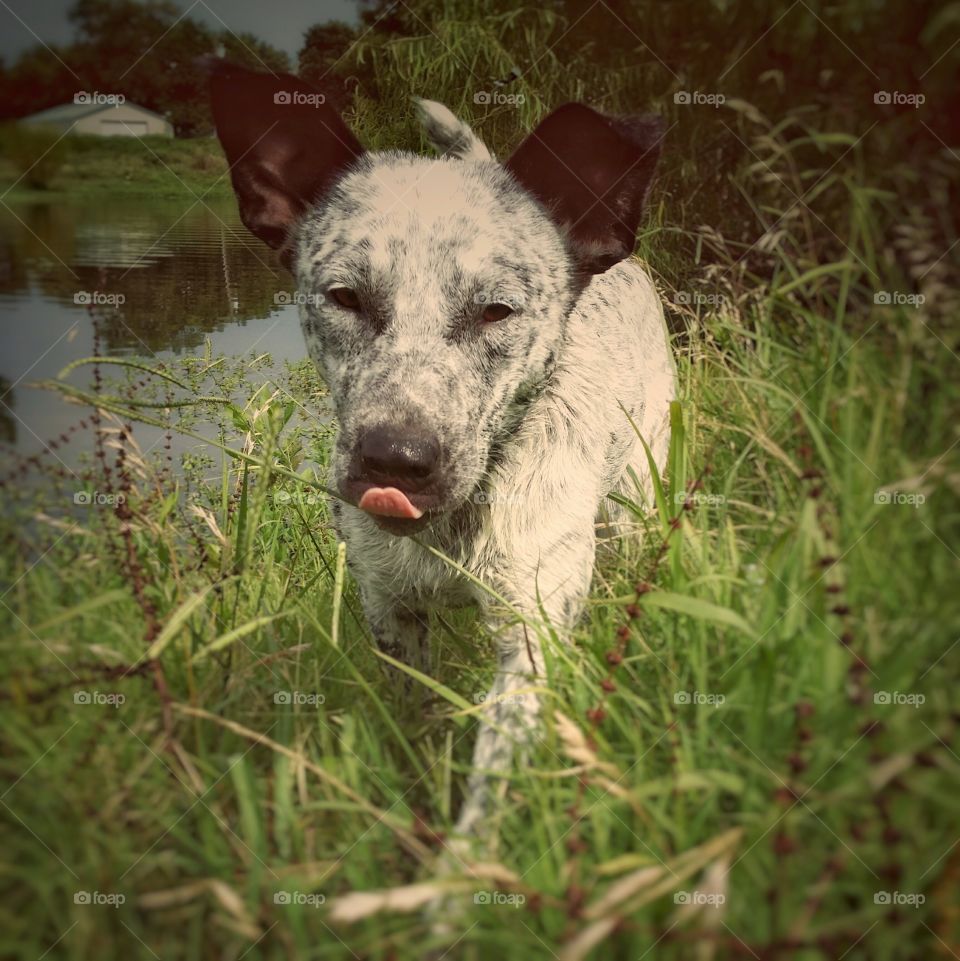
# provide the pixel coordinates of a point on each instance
(596, 715)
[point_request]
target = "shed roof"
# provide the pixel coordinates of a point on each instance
(72, 112)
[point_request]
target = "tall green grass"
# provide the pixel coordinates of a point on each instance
(741, 715)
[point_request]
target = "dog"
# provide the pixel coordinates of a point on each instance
(496, 360)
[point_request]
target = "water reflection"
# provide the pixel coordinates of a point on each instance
(178, 272)
(159, 276)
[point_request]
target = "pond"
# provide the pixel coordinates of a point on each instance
(155, 279)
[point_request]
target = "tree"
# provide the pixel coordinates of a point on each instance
(145, 51)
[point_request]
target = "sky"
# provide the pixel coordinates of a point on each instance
(25, 23)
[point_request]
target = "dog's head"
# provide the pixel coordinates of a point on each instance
(434, 292)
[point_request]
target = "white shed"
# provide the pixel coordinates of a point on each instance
(103, 119)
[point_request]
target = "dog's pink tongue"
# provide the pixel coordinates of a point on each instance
(388, 502)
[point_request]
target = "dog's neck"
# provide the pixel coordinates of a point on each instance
(526, 395)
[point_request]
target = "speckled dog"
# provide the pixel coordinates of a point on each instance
(487, 342)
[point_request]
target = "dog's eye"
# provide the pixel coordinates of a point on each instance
(346, 297)
(494, 312)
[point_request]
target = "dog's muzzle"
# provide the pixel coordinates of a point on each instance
(395, 476)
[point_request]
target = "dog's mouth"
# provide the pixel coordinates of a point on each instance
(389, 502)
(393, 510)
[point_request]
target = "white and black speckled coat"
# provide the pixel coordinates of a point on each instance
(532, 413)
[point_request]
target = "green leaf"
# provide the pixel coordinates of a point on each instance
(338, 581)
(440, 689)
(180, 617)
(696, 608)
(121, 362)
(232, 636)
(85, 607)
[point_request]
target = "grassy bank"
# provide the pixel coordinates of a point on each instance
(154, 166)
(197, 722)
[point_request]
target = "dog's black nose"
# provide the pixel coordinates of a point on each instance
(400, 457)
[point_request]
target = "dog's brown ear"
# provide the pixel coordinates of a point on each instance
(592, 173)
(285, 145)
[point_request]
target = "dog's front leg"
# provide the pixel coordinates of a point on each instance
(398, 621)
(400, 628)
(554, 584)
(508, 722)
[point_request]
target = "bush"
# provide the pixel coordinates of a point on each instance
(37, 153)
